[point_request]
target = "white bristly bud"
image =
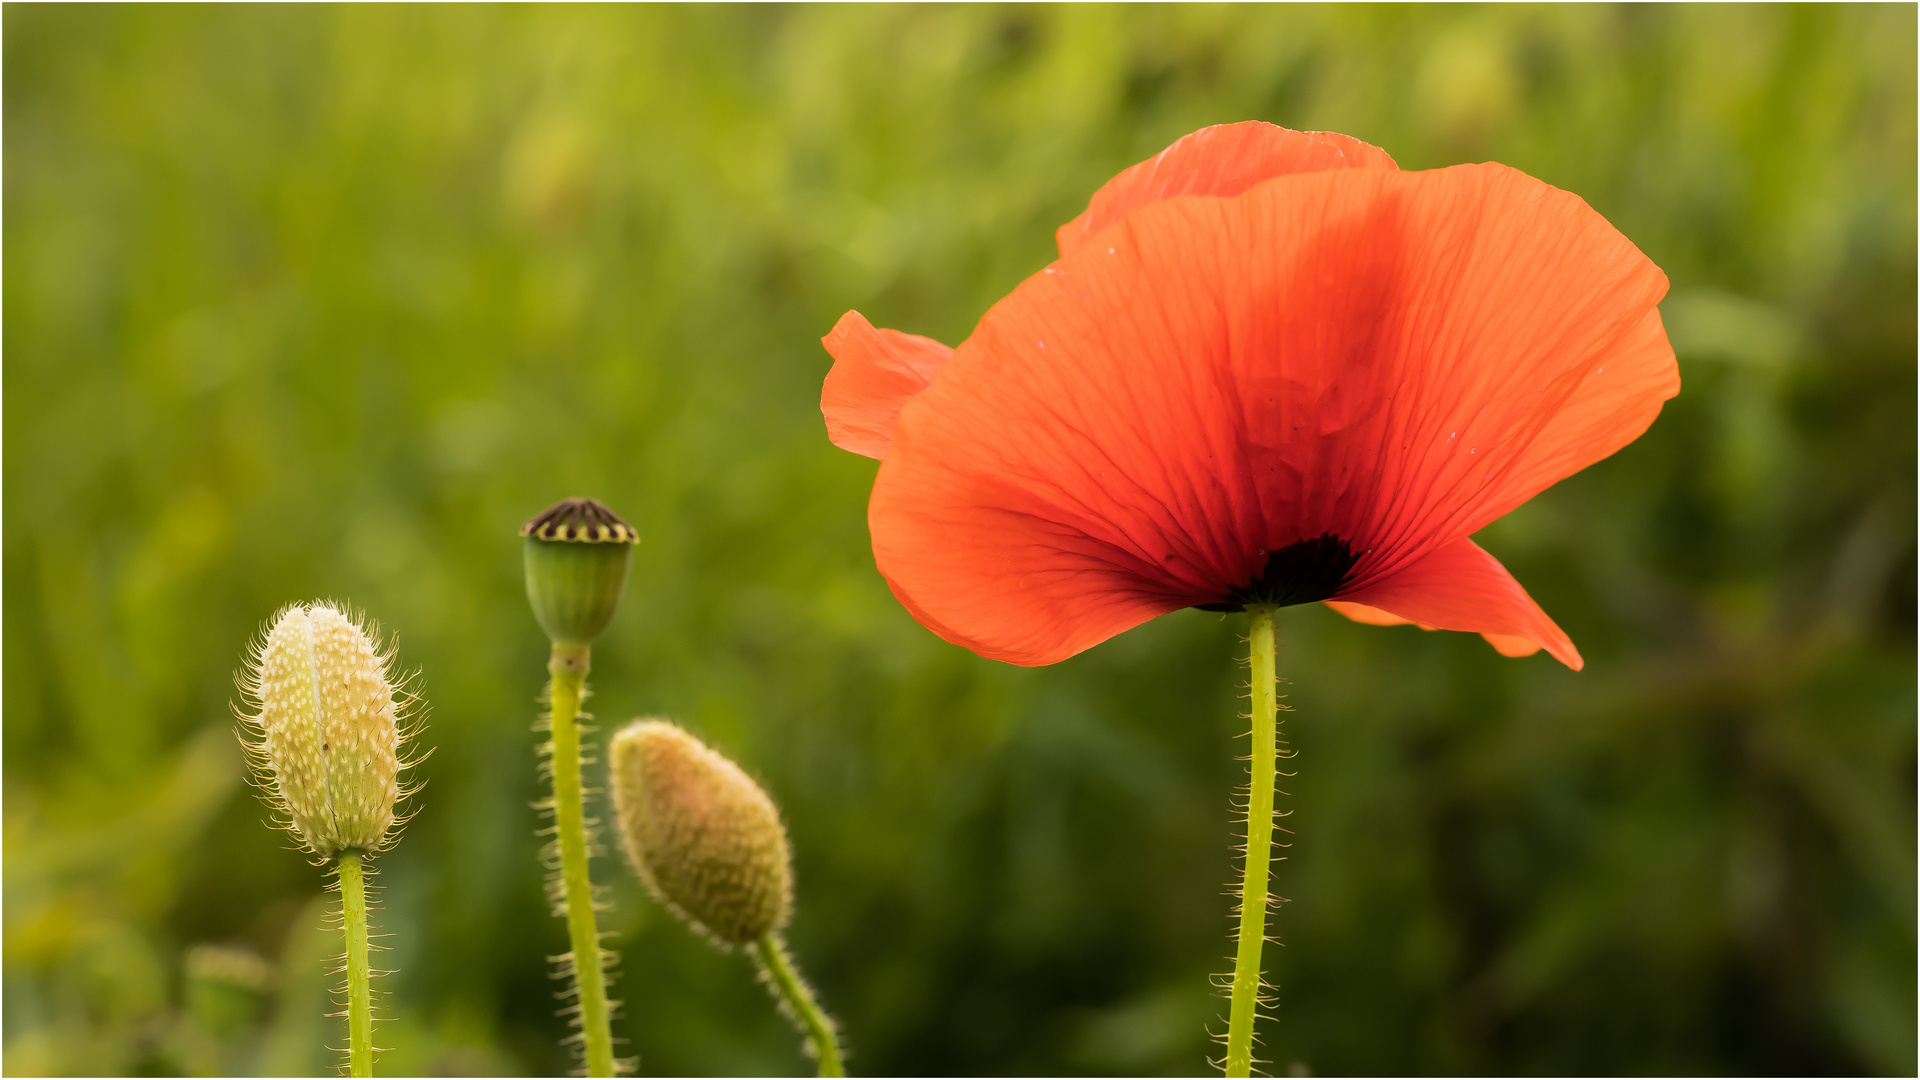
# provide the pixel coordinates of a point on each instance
(327, 725)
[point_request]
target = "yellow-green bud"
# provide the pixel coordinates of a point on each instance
(701, 834)
(229, 965)
(327, 722)
(225, 986)
(577, 554)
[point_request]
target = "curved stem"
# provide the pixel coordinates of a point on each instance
(568, 666)
(798, 1003)
(353, 904)
(1253, 881)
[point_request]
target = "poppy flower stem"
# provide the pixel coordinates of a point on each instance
(1247, 982)
(575, 888)
(797, 1001)
(353, 910)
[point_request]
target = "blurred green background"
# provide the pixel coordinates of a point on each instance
(324, 302)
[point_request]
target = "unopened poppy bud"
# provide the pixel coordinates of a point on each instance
(577, 554)
(327, 722)
(225, 986)
(702, 835)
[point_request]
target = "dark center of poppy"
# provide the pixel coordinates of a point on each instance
(1300, 573)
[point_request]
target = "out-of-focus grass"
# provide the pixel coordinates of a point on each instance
(306, 302)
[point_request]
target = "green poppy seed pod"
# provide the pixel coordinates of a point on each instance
(327, 722)
(577, 554)
(702, 835)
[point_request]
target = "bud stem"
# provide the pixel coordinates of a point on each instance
(794, 993)
(568, 666)
(1253, 881)
(353, 904)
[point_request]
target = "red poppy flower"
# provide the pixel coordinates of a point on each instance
(1268, 367)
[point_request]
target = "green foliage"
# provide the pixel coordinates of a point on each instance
(311, 302)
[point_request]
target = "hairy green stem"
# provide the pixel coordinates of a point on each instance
(1253, 882)
(353, 905)
(794, 993)
(568, 666)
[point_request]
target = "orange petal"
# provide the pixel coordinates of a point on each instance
(1508, 645)
(1372, 616)
(1612, 406)
(874, 373)
(1049, 591)
(1223, 160)
(1461, 587)
(1361, 352)
(1504, 644)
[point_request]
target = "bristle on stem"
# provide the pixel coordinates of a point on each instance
(353, 906)
(798, 1004)
(1246, 997)
(572, 891)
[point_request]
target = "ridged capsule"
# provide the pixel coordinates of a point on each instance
(705, 839)
(576, 554)
(326, 727)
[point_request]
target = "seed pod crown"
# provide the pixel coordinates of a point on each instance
(580, 521)
(576, 555)
(703, 836)
(327, 727)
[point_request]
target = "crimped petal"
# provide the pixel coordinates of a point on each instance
(1461, 587)
(1509, 645)
(1361, 352)
(874, 373)
(1222, 160)
(1504, 644)
(1372, 616)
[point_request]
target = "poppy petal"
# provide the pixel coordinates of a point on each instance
(1508, 645)
(1057, 591)
(1222, 160)
(874, 373)
(1505, 644)
(1372, 616)
(1612, 407)
(1363, 354)
(1461, 587)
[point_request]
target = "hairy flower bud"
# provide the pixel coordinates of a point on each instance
(577, 554)
(328, 725)
(225, 986)
(702, 835)
(229, 965)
